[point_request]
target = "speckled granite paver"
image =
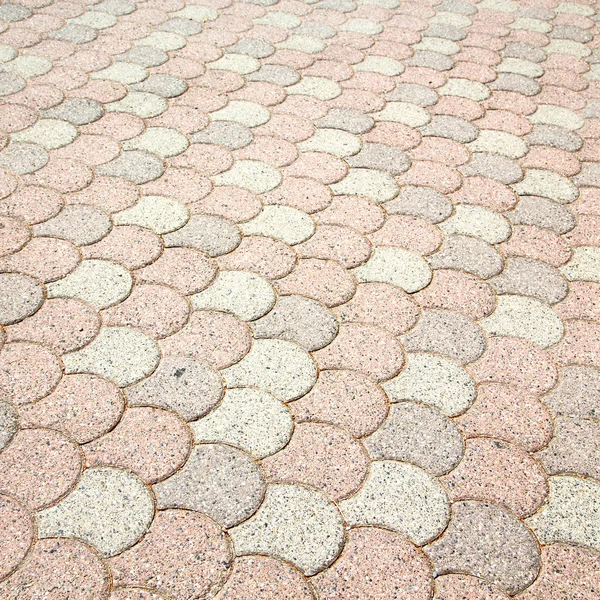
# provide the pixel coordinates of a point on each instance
(299, 300)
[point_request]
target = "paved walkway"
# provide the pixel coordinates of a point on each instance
(299, 300)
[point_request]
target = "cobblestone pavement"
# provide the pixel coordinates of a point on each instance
(299, 300)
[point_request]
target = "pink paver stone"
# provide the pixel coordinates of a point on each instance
(186, 269)
(466, 587)
(458, 291)
(157, 310)
(16, 534)
(220, 339)
(363, 348)
(335, 396)
(322, 456)
(14, 234)
(408, 232)
(111, 194)
(232, 203)
(121, 126)
(343, 211)
(541, 244)
(62, 174)
(82, 406)
(185, 555)
(59, 569)
(496, 471)
(485, 192)
(129, 245)
(151, 442)
(63, 324)
(377, 564)
(516, 362)
(580, 346)
(511, 414)
(582, 302)
(268, 257)
(265, 578)
(39, 467)
(342, 244)
(46, 259)
(186, 185)
(323, 280)
(130, 593)
(568, 572)
(31, 203)
(380, 304)
(275, 152)
(28, 372)
(301, 193)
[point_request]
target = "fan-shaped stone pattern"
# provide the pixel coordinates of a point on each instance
(566, 571)
(573, 448)
(122, 354)
(379, 563)
(217, 480)
(296, 523)
(84, 407)
(363, 348)
(64, 568)
(249, 419)
(569, 513)
(16, 533)
(448, 333)
(487, 542)
(150, 442)
(406, 162)
(417, 434)
(157, 563)
(110, 509)
(322, 456)
(400, 497)
(509, 413)
(495, 471)
(39, 466)
(335, 396)
(182, 385)
(63, 324)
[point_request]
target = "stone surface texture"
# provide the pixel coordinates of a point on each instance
(299, 299)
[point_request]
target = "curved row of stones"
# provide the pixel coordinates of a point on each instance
(299, 300)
